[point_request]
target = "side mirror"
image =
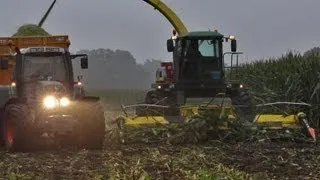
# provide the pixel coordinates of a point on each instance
(233, 45)
(170, 45)
(4, 63)
(84, 63)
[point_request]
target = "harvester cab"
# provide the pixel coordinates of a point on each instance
(198, 71)
(42, 100)
(198, 64)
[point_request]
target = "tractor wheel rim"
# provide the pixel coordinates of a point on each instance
(9, 133)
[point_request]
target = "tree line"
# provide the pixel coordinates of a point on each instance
(116, 69)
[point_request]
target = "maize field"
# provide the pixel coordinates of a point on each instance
(290, 78)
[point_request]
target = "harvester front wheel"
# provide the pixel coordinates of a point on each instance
(157, 97)
(242, 103)
(152, 97)
(91, 129)
(19, 135)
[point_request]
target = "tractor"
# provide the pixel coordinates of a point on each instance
(41, 103)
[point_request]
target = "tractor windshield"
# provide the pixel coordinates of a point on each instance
(44, 67)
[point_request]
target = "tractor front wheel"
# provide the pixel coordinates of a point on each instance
(18, 135)
(91, 127)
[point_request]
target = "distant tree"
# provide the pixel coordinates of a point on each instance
(313, 52)
(150, 66)
(117, 69)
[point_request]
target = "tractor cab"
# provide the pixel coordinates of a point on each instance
(198, 62)
(44, 67)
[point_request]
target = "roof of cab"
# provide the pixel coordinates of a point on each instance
(202, 34)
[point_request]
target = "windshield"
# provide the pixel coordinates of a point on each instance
(44, 68)
(202, 48)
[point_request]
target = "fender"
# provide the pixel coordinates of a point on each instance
(7, 97)
(169, 14)
(90, 98)
(16, 100)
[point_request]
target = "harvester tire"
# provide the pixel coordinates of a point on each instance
(242, 103)
(157, 97)
(19, 135)
(91, 129)
(152, 97)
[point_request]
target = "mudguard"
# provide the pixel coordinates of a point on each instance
(90, 98)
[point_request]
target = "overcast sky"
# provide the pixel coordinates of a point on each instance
(263, 28)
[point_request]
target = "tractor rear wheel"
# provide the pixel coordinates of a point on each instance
(91, 128)
(19, 134)
(243, 105)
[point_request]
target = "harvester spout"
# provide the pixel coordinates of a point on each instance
(43, 19)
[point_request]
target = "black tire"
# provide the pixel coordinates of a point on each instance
(244, 108)
(91, 127)
(19, 135)
(157, 97)
(152, 97)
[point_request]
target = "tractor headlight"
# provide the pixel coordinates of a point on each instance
(50, 102)
(64, 102)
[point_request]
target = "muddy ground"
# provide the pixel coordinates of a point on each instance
(233, 160)
(259, 160)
